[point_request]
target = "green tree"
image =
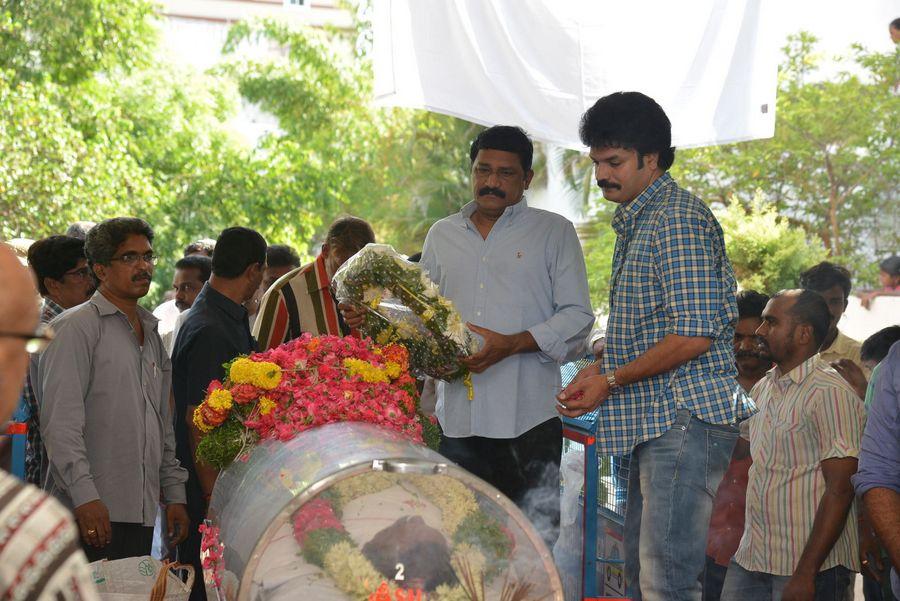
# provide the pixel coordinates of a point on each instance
(766, 251)
(834, 162)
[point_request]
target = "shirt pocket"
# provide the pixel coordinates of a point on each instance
(788, 434)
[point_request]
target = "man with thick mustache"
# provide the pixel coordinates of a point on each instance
(665, 385)
(104, 385)
(517, 275)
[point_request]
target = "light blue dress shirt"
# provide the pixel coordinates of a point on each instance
(528, 274)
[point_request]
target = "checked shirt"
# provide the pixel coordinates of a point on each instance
(670, 275)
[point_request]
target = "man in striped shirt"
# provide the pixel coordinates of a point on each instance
(300, 301)
(800, 536)
(40, 556)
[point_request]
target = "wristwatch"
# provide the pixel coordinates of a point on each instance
(611, 382)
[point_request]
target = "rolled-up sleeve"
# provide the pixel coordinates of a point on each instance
(64, 371)
(562, 337)
(879, 458)
(686, 268)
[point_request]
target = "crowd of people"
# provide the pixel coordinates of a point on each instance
(764, 443)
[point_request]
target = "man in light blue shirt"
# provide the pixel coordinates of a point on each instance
(516, 274)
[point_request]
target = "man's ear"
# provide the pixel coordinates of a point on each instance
(51, 285)
(528, 177)
(651, 160)
(325, 249)
(804, 334)
(99, 271)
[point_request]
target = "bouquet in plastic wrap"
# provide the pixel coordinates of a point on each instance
(404, 306)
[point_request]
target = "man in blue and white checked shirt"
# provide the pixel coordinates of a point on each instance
(664, 385)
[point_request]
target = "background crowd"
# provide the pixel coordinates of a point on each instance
(809, 495)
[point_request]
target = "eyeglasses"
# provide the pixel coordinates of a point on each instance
(506, 174)
(133, 258)
(79, 274)
(36, 341)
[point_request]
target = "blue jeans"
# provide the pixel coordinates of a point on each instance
(671, 487)
(834, 584)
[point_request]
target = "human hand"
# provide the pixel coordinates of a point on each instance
(854, 376)
(799, 587)
(354, 317)
(93, 523)
(870, 553)
(866, 299)
(178, 522)
(583, 395)
(497, 347)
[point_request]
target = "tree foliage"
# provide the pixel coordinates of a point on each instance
(834, 162)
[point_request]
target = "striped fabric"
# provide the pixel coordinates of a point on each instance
(40, 555)
(299, 301)
(809, 415)
(670, 275)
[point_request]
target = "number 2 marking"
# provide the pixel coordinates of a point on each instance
(399, 575)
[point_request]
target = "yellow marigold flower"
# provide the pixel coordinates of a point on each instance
(392, 370)
(198, 421)
(262, 374)
(267, 376)
(266, 405)
(220, 400)
(365, 371)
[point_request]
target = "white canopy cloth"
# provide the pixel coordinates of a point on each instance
(711, 64)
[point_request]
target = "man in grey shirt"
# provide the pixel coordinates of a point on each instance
(104, 386)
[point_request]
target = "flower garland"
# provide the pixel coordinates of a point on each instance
(325, 543)
(377, 278)
(306, 383)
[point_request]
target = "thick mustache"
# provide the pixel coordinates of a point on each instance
(495, 191)
(605, 183)
(750, 355)
(142, 276)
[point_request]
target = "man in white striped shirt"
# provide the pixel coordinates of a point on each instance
(800, 537)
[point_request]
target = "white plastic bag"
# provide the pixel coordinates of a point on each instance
(141, 579)
(568, 547)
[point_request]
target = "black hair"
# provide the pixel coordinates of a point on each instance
(877, 346)
(104, 239)
(282, 255)
(810, 309)
(200, 262)
(79, 229)
(891, 265)
(826, 275)
(52, 257)
(415, 257)
(896, 23)
(507, 138)
(629, 120)
(237, 248)
(204, 246)
(751, 303)
(350, 234)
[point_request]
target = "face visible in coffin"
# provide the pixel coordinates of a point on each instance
(420, 550)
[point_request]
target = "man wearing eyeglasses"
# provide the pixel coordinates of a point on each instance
(64, 281)
(39, 555)
(104, 386)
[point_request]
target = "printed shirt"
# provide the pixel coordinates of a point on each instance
(105, 416)
(670, 275)
(40, 554)
(528, 274)
(34, 447)
(805, 417)
(299, 301)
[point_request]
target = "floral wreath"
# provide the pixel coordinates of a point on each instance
(378, 280)
(480, 544)
(306, 383)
